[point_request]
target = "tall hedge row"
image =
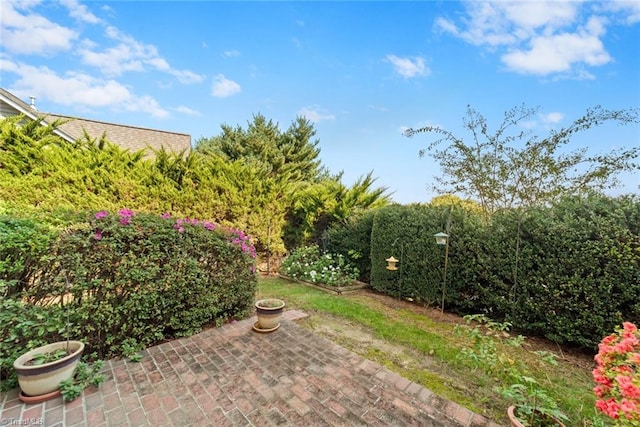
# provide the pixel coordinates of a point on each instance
(353, 240)
(41, 172)
(569, 272)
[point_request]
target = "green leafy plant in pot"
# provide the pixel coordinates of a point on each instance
(532, 406)
(529, 403)
(42, 370)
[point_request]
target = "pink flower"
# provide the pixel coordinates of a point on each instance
(630, 409)
(616, 374)
(165, 215)
(100, 215)
(98, 234)
(609, 407)
(627, 388)
(600, 378)
(125, 213)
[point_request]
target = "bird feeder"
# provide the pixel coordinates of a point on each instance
(391, 263)
(441, 238)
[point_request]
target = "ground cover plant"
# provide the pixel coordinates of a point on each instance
(420, 344)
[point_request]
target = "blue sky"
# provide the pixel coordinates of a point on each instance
(362, 72)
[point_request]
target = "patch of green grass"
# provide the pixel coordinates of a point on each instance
(451, 377)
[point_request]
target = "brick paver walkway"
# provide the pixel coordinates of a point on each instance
(233, 376)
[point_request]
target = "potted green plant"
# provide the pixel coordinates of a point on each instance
(269, 312)
(41, 370)
(532, 406)
(50, 370)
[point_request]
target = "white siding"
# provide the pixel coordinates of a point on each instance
(7, 111)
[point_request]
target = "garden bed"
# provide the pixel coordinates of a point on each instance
(336, 290)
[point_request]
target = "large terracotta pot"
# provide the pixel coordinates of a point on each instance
(36, 380)
(269, 312)
(515, 423)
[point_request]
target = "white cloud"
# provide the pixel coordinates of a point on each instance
(230, 54)
(80, 12)
(113, 61)
(146, 104)
(551, 118)
(560, 53)
(186, 76)
(379, 108)
(131, 55)
(628, 10)
(188, 111)
(536, 14)
(223, 87)
(27, 33)
(543, 38)
(315, 114)
(78, 89)
(408, 67)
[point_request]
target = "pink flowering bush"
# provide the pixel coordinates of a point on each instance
(137, 278)
(618, 377)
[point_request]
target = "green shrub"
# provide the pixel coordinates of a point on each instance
(23, 245)
(143, 278)
(24, 327)
(353, 241)
(568, 272)
(310, 265)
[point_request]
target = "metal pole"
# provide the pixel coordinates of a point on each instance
(269, 248)
(401, 262)
(444, 276)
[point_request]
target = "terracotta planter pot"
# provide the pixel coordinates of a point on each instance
(515, 423)
(269, 312)
(37, 380)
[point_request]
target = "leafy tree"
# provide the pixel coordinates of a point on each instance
(329, 202)
(455, 201)
(511, 167)
(292, 152)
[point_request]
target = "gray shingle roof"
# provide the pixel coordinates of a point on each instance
(128, 137)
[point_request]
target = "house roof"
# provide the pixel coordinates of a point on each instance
(20, 107)
(128, 137)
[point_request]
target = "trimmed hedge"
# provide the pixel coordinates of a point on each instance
(570, 272)
(353, 241)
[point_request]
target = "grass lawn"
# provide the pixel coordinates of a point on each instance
(422, 345)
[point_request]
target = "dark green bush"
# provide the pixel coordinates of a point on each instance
(582, 276)
(569, 272)
(406, 233)
(353, 241)
(142, 278)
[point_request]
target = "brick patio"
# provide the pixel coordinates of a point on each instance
(233, 376)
